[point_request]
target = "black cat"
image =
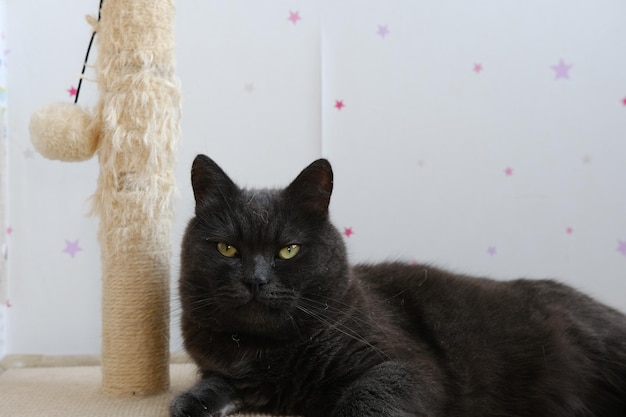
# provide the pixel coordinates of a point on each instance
(279, 323)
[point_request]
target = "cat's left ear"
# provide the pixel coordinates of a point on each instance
(311, 189)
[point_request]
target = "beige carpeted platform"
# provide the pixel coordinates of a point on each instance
(75, 392)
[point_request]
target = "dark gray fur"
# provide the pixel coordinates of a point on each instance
(316, 337)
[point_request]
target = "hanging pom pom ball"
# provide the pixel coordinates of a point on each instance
(64, 132)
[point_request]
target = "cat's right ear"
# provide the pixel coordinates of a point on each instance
(209, 182)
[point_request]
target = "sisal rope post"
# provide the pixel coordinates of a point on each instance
(134, 129)
(139, 110)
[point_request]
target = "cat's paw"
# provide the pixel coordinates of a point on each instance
(211, 397)
(189, 405)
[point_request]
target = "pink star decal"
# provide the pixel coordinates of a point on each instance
(569, 230)
(72, 248)
(621, 247)
(72, 91)
(348, 231)
(491, 250)
(9, 230)
(478, 68)
(561, 70)
(624, 101)
(294, 17)
(339, 104)
(383, 31)
(508, 171)
(8, 303)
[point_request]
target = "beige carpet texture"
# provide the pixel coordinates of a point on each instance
(75, 391)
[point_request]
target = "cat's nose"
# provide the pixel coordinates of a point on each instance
(258, 275)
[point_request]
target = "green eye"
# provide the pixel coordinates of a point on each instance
(227, 250)
(288, 251)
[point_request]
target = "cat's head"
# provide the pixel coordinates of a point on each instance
(254, 260)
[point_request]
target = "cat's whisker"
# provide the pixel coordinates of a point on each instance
(340, 327)
(354, 317)
(208, 306)
(332, 300)
(352, 334)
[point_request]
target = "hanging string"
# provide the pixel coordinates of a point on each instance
(82, 73)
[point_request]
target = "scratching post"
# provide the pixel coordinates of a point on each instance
(135, 128)
(139, 101)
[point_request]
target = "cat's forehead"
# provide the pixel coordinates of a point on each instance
(259, 206)
(262, 217)
(260, 198)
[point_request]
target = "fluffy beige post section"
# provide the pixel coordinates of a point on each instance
(135, 129)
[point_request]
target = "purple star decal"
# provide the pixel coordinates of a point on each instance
(491, 250)
(71, 248)
(561, 70)
(621, 247)
(383, 31)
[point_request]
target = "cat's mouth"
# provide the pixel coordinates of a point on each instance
(268, 301)
(260, 306)
(267, 296)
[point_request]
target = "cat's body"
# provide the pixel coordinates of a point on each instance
(278, 322)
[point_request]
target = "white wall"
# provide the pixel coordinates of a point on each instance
(4, 232)
(420, 147)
